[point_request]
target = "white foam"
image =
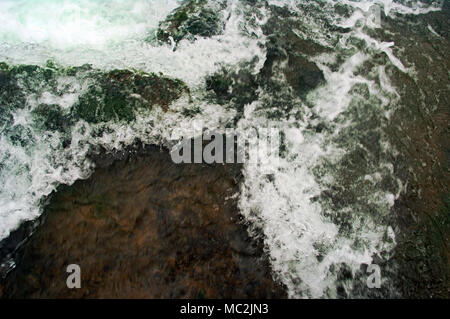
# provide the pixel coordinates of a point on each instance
(109, 35)
(392, 6)
(302, 243)
(190, 62)
(335, 94)
(94, 24)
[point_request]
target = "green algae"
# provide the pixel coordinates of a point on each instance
(109, 96)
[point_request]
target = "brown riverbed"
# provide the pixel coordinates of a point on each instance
(144, 227)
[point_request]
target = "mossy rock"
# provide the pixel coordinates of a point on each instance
(10, 92)
(51, 117)
(220, 83)
(116, 96)
(303, 75)
(239, 87)
(191, 19)
(33, 78)
(4, 66)
(111, 96)
(205, 24)
(74, 70)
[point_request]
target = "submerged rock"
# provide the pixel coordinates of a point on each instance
(421, 135)
(101, 97)
(288, 73)
(117, 94)
(239, 87)
(192, 18)
(284, 45)
(417, 129)
(144, 227)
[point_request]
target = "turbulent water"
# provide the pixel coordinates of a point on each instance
(312, 241)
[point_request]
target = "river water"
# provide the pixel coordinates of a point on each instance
(311, 239)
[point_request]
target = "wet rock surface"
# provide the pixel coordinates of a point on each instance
(117, 94)
(417, 129)
(191, 19)
(287, 75)
(109, 96)
(422, 136)
(143, 227)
